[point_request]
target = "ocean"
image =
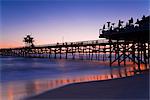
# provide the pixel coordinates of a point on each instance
(25, 77)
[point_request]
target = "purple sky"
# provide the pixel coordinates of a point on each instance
(50, 20)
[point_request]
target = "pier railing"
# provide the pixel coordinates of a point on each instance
(76, 43)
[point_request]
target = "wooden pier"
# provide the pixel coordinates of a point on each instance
(83, 49)
(130, 42)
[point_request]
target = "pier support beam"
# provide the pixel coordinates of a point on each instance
(55, 53)
(110, 56)
(138, 56)
(66, 52)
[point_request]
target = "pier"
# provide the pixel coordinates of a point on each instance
(119, 44)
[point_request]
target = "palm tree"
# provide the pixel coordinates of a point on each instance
(28, 41)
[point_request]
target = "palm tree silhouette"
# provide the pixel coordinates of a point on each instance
(28, 41)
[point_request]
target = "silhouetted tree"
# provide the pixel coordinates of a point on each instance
(28, 41)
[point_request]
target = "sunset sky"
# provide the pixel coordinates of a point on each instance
(50, 20)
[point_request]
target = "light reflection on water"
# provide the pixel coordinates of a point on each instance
(18, 90)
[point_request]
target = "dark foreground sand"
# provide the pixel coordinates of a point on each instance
(129, 88)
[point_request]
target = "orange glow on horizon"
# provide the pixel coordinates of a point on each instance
(10, 45)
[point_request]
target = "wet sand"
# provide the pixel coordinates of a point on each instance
(130, 88)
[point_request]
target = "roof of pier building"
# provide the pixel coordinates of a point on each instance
(138, 31)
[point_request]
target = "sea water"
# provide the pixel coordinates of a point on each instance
(25, 77)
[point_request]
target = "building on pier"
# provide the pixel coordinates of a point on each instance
(135, 37)
(138, 31)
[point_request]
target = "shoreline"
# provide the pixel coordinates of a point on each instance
(131, 87)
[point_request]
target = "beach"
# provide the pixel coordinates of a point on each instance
(128, 88)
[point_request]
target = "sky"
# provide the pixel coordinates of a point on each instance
(51, 21)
